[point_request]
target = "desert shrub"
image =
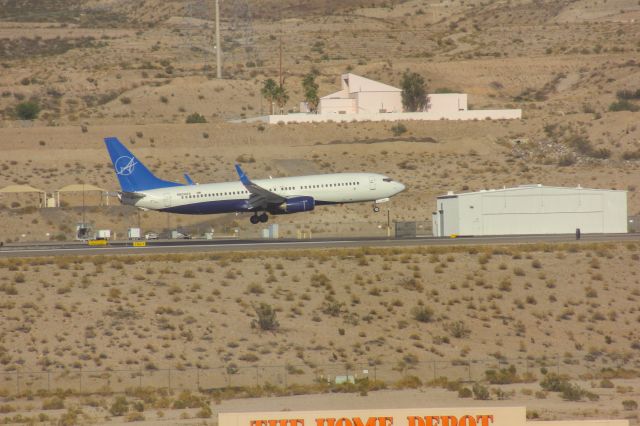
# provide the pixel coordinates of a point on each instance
(422, 313)
(465, 393)
(480, 392)
(503, 376)
(628, 94)
(135, 416)
(195, 118)
(601, 153)
(255, 288)
(408, 382)
(187, 400)
(631, 155)
(205, 412)
(623, 105)
(28, 110)
(629, 405)
(582, 144)
(267, 320)
(6, 408)
(332, 308)
(249, 357)
(573, 392)
(566, 160)
(55, 403)
(119, 407)
(398, 129)
(458, 329)
(125, 100)
(245, 158)
(554, 382)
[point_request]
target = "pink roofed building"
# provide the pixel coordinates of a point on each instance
(360, 95)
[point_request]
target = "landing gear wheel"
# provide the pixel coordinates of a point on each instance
(376, 209)
(263, 218)
(254, 219)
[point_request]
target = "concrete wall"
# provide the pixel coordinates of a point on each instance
(534, 210)
(498, 114)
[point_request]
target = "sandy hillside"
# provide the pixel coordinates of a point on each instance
(564, 63)
(388, 315)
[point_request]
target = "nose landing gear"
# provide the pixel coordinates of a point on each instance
(376, 209)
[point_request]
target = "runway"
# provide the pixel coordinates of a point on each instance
(234, 245)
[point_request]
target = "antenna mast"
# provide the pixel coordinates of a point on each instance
(218, 47)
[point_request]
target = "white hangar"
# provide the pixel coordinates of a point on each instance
(531, 209)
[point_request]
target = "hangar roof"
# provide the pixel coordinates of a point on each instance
(451, 194)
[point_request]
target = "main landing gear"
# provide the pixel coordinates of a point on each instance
(259, 218)
(376, 209)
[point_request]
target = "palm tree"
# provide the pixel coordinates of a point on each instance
(281, 97)
(310, 89)
(269, 91)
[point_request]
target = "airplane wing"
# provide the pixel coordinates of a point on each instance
(260, 197)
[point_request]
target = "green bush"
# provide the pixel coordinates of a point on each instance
(195, 118)
(631, 155)
(503, 376)
(398, 129)
(28, 110)
(119, 407)
(458, 329)
(54, 403)
(629, 405)
(554, 382)
(628, 94)
(623, 105)
(266, 318)
(465, 393)
(422, 313)
(480, 392)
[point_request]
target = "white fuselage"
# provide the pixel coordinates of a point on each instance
(228, 197)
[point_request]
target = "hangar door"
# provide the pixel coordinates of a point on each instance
(542, 213)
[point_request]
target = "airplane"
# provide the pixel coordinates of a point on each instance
(275, 196)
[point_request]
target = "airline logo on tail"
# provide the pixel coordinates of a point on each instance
(125, 166)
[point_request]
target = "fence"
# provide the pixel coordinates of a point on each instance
(91, 381)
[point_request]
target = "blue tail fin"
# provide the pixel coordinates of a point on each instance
(132, 174)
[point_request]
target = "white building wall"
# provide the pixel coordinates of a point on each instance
(374, 102)
(335, 106)
(536, 210)
(448, 219)
(446, 103)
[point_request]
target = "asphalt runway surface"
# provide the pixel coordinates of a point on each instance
(234, 245)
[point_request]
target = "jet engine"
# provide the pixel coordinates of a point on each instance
(296, 205)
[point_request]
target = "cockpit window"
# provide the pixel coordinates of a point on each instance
(386, 179)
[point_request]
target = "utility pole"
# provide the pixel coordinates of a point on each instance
(218, 47)
(281, 81)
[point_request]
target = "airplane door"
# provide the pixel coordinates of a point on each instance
(167, 200)
(372, 183)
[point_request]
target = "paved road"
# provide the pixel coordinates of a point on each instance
(195, 246)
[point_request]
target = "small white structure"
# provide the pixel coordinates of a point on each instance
(531, 209)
